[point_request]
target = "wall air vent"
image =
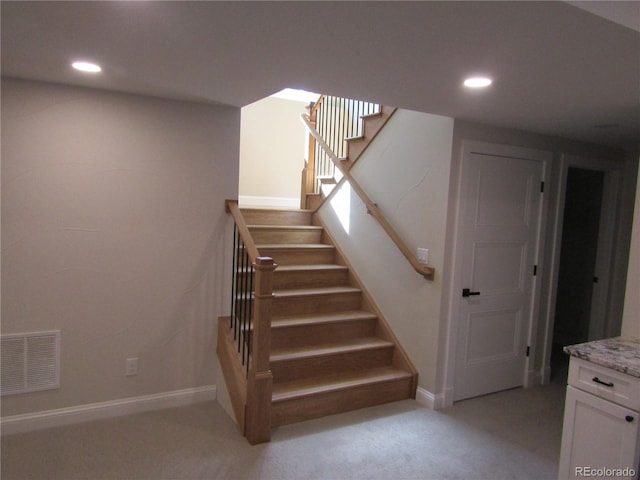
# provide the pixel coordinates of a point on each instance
(29, 362)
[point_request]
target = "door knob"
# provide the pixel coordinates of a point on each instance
(468, 293)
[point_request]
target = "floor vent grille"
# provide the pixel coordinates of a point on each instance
(29, 362)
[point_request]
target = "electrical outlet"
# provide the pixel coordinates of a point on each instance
(131, 367)
(423, 256)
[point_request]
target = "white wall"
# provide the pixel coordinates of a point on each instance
(631, 317)
(113, 227)
(405, 171)
(272, 150)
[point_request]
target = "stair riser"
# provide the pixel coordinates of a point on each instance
(286, 236)
(305, 304)
(275, 217)
(287, 370)
(300, 279)
(306, 279)
(299, 256)
(317, 334)
(300, 409)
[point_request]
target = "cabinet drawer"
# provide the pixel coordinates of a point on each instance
(605, 383)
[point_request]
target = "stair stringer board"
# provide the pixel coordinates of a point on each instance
(234, 374)
(371, 127)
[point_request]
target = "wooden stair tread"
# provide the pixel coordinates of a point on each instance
(312, 319)
(274, 209)
(310, 267)
(276, 216)
(284, 227)
(296, 246)
(349, 345)
(326, 180)
(352, 139)
(295, 389)
(299, 292)
(372, 115)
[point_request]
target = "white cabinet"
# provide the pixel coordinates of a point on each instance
(600, 436)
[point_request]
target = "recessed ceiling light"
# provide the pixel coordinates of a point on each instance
(87, 67)
(477, 82)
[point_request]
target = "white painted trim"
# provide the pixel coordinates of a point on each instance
(533, 378)
(97, 411)
(612, 196)
(430, 400)
(278, 202)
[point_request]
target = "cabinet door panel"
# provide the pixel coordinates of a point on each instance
(597, 434)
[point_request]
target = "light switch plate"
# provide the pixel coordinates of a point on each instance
(423, 256)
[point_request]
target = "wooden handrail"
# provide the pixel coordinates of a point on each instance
(231, 206)
(372, 208)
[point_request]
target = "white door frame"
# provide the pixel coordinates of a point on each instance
(455, 286)
(610, 203)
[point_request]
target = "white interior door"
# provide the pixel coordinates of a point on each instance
(499, 227)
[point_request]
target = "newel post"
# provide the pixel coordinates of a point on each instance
(309, 172)
(260, 379)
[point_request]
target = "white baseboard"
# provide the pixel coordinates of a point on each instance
(97, 411)
(281, 202)
(533, 378)
(430, 400)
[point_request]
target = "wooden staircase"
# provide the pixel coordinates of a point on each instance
(303, 338)
(331, 350)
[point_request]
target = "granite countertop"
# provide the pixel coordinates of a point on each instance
(619, 353)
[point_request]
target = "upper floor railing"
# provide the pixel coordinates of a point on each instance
(327, 147)
(336, 120)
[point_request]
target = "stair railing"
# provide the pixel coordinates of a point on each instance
(372, 208)
(250, 322)
(336, 120)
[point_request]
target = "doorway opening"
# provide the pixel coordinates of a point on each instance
(272, 150)
(576, 316)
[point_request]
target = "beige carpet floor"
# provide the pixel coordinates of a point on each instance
(509, 435)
